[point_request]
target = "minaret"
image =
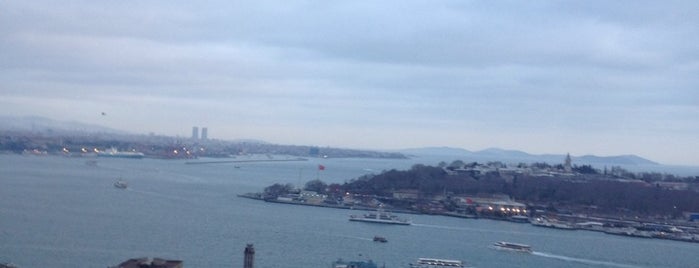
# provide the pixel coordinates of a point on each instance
(567, 166)
(249, 256)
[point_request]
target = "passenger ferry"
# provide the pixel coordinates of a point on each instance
(380, 216)
(513, 246)
(436, 263)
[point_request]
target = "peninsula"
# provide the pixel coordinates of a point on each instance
(561, 196)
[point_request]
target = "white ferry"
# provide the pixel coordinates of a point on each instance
(436, 263)
(380, 216)
(513, 246)
(113, 152)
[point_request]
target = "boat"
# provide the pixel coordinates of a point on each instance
(436, 263)
(380, 216)
(121, 184)
(380, 239)
(551, 223)
(113, 152)
(353, 264)
(513, 246)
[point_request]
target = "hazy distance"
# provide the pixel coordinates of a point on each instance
(581, 78)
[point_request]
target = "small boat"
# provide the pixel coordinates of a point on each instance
(436, 263)
(513, 246)
(380, 239)
(121, 184)
(380, 216)
(353, 264)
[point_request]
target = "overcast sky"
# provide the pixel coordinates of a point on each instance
(584, 77)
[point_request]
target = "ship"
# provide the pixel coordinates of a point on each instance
(380, 216)
(113, 152)
(353, 264)
(512, 246)
(436, 263)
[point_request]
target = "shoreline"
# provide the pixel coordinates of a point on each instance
(630, 231)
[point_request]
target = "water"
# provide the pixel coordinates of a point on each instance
(60, 212)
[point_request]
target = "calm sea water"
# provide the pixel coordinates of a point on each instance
(60, 212)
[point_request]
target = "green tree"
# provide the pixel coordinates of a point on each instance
(316, 185)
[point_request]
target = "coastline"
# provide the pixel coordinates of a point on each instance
(564, 222)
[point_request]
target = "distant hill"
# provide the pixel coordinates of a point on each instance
(446, 151)
(45, 125)
(514, 156)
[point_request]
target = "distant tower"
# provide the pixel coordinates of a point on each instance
(249, 256)
(567, 166)
(195, 133)
(204, 133)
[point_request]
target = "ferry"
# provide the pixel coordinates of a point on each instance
(380, 216)
(436, 263)
(113, 152)
(513, 246)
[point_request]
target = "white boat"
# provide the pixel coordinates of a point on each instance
(513, 246)
(121, 184)
(380, 216)
(113, 152)
(436, 263)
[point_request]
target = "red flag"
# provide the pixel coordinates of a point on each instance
(321, 167)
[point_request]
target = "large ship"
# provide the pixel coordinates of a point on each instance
(436, 263)
(512, 246)
(380, 216)
(113, 152)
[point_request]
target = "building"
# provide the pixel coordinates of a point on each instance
(204, 133)
(249, 256)
(150, 263)
(568, 164)
(195, 133)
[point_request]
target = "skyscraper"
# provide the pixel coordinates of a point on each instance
(204, 133)
(195, 133)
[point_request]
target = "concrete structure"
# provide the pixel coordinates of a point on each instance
(204, 133)
(195, 133)
(249, 256)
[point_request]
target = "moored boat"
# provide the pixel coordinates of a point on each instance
(512, 246)
(113, 152)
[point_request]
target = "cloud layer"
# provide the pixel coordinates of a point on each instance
(545, 77)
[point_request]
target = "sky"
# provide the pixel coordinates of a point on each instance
(578, 77)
